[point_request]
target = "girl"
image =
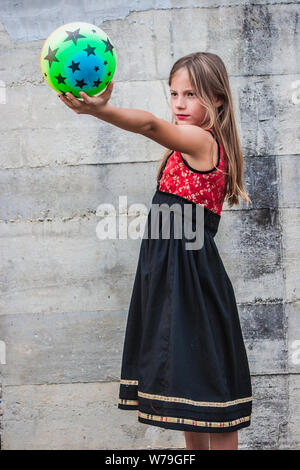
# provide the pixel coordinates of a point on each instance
(184, 364)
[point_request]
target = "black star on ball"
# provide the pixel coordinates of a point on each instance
(96, 68)
(97, 82)
(74, 36)
(60, 79)
(90, 50)
(51, 56)
(80, 83)
(109, 46)
(74, 66)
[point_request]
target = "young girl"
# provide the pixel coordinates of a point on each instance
(184, 363)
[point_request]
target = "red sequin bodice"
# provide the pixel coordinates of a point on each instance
(202, 187)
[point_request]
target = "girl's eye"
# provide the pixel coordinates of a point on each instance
(189, 93)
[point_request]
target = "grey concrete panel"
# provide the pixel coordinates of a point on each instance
(73, 191)
(79, 416)
(249, 243)
(38, 130)
(41, 416)
(288, 189)
(294, 412)
(290, 220)
(62, 348)
(64, 266)
(87, 346)
(40, 193)
(269, 426)
(264, 331)
(46, 269)
(293, 319)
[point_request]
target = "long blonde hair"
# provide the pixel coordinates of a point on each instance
(209, 78)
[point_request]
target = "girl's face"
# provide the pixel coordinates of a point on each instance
(184, 100)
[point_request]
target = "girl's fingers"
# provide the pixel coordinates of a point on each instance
(70, 100)
(84, 96)
(63, 98)
(80, 106)
(107, 89)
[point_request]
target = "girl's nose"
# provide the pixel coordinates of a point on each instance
(180, 103)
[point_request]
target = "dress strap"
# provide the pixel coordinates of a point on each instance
(213, 134)
(212, 131)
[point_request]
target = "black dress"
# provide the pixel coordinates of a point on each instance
(184, 364)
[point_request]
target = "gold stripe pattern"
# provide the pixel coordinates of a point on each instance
(129, 382)
(185, 400)
(193, 402)
(123, 401)
(193, 422)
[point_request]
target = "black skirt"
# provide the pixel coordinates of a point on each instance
(184, 364)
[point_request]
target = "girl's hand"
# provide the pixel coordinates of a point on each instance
(90, 104)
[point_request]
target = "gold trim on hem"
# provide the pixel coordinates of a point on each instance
(186, 400)
(193, 422)
(123, 401)
(129, 382)
(193, 402)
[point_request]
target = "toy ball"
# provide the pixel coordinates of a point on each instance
(78, 57)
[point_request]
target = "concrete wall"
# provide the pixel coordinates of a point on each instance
(64, 293)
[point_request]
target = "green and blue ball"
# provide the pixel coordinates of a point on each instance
(78, 57)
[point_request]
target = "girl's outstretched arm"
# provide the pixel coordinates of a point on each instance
(133, 120)
(189, 139)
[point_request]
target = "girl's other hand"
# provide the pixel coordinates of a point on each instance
(90, 104)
